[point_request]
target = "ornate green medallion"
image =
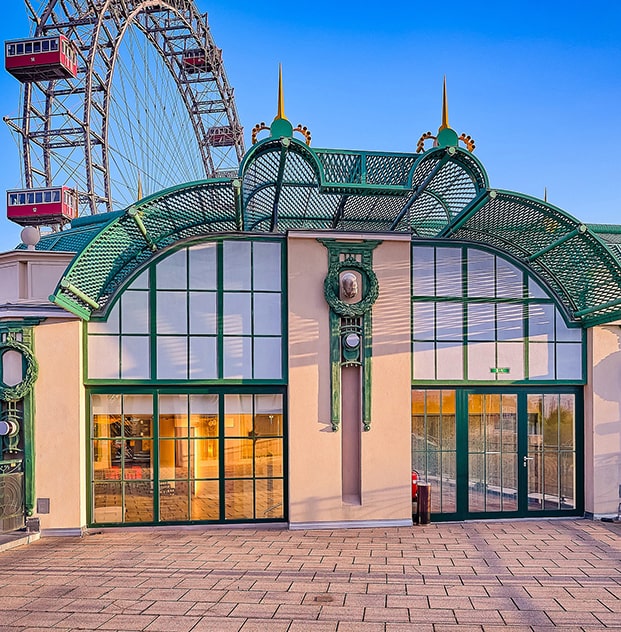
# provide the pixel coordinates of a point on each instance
(350, 289)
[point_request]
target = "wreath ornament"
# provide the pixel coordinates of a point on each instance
(331, 289)
(20, 390)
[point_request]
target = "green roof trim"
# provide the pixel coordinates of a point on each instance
(570, 257)
(284, 184)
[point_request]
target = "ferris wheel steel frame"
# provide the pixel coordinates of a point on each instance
(97, 28)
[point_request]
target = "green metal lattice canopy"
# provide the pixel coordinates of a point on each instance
(284, 185)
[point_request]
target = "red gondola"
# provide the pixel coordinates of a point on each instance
(41, 58)
(221, 136)
(195, 60)
(33, 207)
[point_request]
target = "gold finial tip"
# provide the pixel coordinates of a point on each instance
(445, 122)
(281, 96)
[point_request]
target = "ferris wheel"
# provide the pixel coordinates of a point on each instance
(134, 99)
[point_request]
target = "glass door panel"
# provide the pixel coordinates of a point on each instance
(492, 453)
(551, 452)
(434, 446)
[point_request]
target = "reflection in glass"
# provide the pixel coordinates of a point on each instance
(135, 358)
(269, 499)
(448, 272)
(433, 445)
(492, 452)
(236, 265)
(138, 501)
(423, 271)
(239, 499)
(266, 265)
(171, 272)
(135, 312)
(203, 266)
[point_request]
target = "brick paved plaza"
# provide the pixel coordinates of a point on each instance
(521, 575)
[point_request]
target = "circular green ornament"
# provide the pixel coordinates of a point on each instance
(331, 287)
(13, 393)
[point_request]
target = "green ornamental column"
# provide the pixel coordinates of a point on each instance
(17, 405)
(350, 289)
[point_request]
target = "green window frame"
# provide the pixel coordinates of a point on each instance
(243, 339)
(480, 317)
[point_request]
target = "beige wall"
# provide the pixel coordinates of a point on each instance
(603, 421)
(59, 427)
(315, 451)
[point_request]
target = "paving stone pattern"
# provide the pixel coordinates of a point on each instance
(486, 576)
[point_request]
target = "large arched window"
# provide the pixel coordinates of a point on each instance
(209, 311)
(479, 317)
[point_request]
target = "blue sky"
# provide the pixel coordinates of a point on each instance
(536, 84)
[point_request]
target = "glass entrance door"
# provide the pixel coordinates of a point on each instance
(498, 454)
(492, 453)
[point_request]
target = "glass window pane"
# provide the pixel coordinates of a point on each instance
(564, 333)
(206, 458)
(541, 322)
(567, 420)
(448, 272)
(269, 499)
(238, 458)
(423, 271)
(138, 405)
(237, 358)
(510, 321)
(481, 276)
(135, 312)
(424, 361)
(450, 360)
(138, 502)
(237, 415)
(204, 404)
(237, 313)
(509, 280)
(567, 475)
(203, 358)
(135, 358)
(481, 358)
(266, 265)
(449, 321)
(172, 313)
(239, 499)
(109, 326)
(107, 503)
(511, 356)
(171, 273)
(205, 500)
(568, 361)
(141, 282)
(267, 314)
(535, 290)
(173, 405)
(174, 501)
(424, 321)
(268, 457)
(236, 265)
(203, 313)
(172, 357)
(541, 361)
(481, 321)
(267, 358)
(203, 267)
(103, 357)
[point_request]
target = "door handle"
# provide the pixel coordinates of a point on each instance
(526, 459)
